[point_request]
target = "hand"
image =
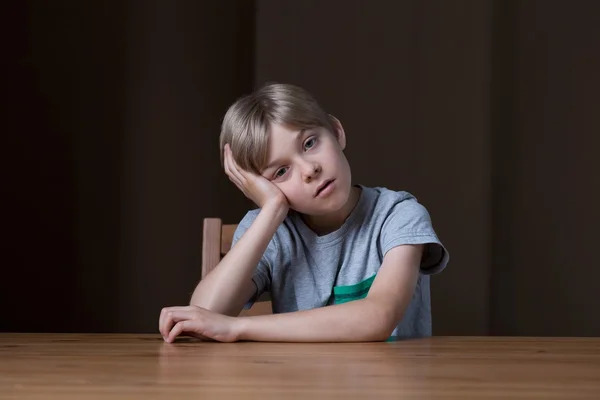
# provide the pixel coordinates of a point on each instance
(197, 322)
(255, 187)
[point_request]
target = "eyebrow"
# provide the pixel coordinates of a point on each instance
(276, 162)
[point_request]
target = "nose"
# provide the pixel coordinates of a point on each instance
(310, 170)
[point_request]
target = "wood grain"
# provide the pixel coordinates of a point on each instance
(78, 366)
(227, 232)
(211, 244)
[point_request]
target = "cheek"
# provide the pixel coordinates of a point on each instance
(292, 192)
(337, 161)
(289, 190)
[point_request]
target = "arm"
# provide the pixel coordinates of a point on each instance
(370, 319)
(229, 285)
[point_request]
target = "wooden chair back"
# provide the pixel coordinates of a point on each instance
(216, 242)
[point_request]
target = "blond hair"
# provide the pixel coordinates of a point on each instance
(246, 124)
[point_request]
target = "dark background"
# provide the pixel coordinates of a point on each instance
(487, 110)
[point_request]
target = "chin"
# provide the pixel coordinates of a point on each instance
(319, 211)
(335, 204)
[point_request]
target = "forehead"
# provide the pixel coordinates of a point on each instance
(281, 136)
(282, 131)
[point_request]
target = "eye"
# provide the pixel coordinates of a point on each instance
(280, 172)
(310, 143)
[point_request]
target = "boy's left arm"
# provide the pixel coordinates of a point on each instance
(370, 319)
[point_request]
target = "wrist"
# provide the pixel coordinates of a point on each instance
(276, 209)
(241, 328)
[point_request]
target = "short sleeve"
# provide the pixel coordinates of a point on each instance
(408, 222)
(262, 274)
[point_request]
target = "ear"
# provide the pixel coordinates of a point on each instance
(338, 131)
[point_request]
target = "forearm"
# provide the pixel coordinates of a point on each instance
(357, 321)
(223, 289)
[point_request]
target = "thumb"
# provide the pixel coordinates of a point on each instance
(177, 330)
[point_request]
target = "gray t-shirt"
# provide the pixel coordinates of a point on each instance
(302, 270)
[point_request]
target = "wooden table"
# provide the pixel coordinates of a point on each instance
(52, 366)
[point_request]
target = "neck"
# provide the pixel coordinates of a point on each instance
(324, 224)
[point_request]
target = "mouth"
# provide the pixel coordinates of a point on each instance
(323, 186)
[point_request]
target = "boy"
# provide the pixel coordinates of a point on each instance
(343, 262)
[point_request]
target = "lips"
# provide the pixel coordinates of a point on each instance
(323, 186)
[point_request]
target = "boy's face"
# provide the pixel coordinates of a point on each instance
(310, 168)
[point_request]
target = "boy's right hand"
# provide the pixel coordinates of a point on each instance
(255, 187)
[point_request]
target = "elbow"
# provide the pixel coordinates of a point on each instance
(378, 333)
(382, 333)
(383, 324)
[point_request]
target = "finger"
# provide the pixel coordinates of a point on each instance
(172, 315)
(235, 177)
(230, 169)
(182, 313)
(186, 327)
(167, 323)
(162, 321)
(235, 169)
(177, 330)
